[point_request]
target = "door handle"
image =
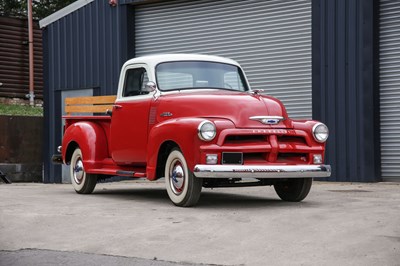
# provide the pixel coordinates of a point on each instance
(116, 106)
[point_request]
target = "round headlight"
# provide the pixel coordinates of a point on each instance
(207, 131)
(320, 132)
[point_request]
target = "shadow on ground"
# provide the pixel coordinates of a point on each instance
(209, 199)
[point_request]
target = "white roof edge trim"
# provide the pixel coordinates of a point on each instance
(161, 58)
(63, 12)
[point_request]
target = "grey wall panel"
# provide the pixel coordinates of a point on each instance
(389, 84)
(65, 170)
(270, 39)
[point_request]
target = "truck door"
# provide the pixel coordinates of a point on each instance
(130, 117)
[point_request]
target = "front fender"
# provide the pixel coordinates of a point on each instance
(91, 139)
(182, 131)
(306, 127)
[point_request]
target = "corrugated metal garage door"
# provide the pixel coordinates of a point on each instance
(389, 83)
(270, 39)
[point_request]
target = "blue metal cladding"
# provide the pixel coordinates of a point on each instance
(84, 49)
(136, 1)
(345, 88)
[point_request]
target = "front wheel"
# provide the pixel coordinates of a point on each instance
(182, 186)
(293, 189)
(82, 182)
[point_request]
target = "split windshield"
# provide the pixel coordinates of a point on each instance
(199, 75)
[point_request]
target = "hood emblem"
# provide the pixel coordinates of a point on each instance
(166, 114)
(267, 120)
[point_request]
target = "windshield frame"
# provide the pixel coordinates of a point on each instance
(240, 72)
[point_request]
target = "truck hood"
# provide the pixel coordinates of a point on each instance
(237, 107)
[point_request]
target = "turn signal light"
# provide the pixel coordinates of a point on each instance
(317, 158)
(211, 159)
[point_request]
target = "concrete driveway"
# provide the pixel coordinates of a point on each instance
(337, 224)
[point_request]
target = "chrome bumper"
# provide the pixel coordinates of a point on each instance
(261, 171)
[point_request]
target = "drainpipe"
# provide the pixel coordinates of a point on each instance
(31, 94)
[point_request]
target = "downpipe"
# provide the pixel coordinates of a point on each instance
(31, 95)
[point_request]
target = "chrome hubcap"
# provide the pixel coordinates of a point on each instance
(177, 177)
(78, 171)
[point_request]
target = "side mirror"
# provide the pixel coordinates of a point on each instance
(150, 86)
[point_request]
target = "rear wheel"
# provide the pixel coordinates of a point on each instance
(293, 189)
(82, 182)
(182, 186)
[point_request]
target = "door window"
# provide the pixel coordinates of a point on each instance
(135, 81)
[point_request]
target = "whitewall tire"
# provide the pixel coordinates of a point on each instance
(82, 182)
(182, 186)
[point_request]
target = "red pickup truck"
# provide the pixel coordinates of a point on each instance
(195, 121)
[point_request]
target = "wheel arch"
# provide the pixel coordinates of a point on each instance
(180, 132)
(90, 138)
(162, 156)
(70, 150)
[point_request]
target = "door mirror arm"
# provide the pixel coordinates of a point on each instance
(150, 87)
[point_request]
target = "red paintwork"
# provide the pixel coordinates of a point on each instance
(129, 131)
(131, 139)
(234, 106)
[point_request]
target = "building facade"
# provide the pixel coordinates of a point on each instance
(14, 58)
(335, 61)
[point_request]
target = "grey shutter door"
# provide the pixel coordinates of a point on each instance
(389, 86)
(270, 39)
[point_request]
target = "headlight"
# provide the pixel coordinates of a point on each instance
(320, 132)
(207, 131)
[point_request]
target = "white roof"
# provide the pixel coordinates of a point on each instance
(63, 12)
(153, 60)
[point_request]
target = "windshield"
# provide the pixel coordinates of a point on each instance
(199, 74)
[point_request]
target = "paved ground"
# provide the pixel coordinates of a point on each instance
(337, 224)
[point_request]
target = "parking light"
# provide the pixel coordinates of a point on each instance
(211, 159)
(317, 159)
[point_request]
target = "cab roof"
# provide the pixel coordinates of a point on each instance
(153, 60)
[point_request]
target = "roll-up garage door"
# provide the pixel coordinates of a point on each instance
(389, 85)
(270, 39)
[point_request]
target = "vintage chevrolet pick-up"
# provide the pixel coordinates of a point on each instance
(195, 121)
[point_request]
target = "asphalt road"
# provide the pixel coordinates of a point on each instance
(134, 223)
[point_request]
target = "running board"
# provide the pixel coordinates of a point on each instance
(114, 172)
(130, 173)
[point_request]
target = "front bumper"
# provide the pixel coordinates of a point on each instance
(261, 171)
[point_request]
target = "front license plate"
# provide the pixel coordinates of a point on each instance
(232, 158)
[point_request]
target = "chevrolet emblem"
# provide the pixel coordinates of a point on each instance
(267, 120)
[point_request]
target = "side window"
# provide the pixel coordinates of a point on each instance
(144, 82)
(135, 80)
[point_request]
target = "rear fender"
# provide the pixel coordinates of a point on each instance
(91, 139)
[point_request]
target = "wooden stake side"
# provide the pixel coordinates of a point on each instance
(93, 104)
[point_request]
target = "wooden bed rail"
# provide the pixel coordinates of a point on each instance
(92, 104)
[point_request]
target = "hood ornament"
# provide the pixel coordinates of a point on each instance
(267, 120)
